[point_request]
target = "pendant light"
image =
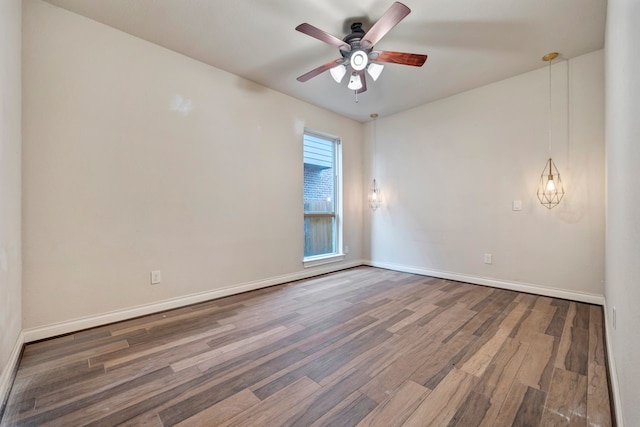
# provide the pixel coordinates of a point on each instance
(550, 189)
(374, 192)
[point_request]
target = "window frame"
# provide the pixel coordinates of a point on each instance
(338, 255)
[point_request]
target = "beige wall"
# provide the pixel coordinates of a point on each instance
(138, 159)
(623, 201)
(10, 188)
(450, 170)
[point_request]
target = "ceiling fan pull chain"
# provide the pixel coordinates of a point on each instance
(356, 93)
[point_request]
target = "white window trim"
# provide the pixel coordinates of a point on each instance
(314, 261)
(338, 256)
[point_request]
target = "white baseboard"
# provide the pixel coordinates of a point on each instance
(613, 372)
(48, 331)
(10, 369)
(502, 284)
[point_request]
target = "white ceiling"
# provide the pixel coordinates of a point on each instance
(470, 43)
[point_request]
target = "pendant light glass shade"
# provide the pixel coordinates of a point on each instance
(374, 196)
(550, 189)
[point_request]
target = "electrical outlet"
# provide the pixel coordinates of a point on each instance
(488, 258)
(613, 317)
(346, 249)
(156, 277)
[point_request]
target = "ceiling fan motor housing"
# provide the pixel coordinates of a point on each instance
(357, 33)
(353, 39)
(358, 56)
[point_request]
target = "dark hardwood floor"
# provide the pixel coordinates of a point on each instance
(364, 346)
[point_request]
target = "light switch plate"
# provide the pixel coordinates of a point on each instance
(156, 277)
(517, 205)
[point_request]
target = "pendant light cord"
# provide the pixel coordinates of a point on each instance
(374, 116)
(375, 137)
(549, 117)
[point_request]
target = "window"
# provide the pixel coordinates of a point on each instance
(322, 198)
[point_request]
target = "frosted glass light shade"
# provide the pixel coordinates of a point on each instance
(375, 70)
(338, 72)
(354, 82)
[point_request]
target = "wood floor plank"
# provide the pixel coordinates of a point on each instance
(216, 393)
(91, 407)
(410, 358)
(537, 367)
(277, 408)
(43, 368)
(534, 323)
(531, 409)
(211, 358)
(362, 346)
(499, 377)
(415, 315)
(279, 380)
(440, 359)
(358, 407)
(395, 410)
(567, 401)
(331, 395)
(150, 419)
(439, 407)
(511, 405)
(472, 411)
(481, 359)
(114, 359)
(598, 405)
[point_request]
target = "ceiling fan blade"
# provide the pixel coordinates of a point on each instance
(319, 70)
(390, 19)
(323, 36)
(403, 58)
(363, 79)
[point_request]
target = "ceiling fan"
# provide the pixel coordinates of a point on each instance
(356, 50)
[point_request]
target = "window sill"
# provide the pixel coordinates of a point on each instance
(322, 259)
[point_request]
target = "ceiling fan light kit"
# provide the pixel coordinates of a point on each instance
(356, 50)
